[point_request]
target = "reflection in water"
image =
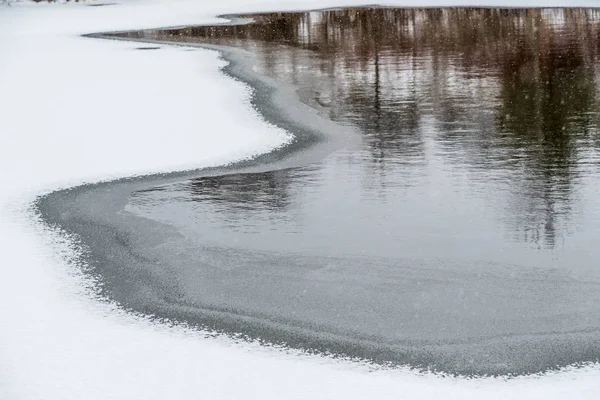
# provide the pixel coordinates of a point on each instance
(237, 196)
(547, 100)
(462, 232)
(511, 93)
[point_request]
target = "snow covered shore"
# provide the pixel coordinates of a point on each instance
(78, 110)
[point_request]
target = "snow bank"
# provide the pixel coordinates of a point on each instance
(77, 110)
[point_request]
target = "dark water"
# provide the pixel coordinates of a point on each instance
(462, 231)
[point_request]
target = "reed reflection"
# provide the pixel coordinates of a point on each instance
(264, 195)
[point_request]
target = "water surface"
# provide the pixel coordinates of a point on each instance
(460, 233)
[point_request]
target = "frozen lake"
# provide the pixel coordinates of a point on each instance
(448, 218)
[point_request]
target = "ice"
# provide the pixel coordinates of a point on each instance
(76, 110)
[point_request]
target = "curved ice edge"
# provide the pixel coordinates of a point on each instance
(264, 99)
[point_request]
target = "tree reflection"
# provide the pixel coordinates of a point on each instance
(397, 72)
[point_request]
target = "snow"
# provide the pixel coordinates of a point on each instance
(76, 110)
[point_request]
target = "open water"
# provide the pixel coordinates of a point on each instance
(439, 208)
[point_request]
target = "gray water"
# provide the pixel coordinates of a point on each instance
(441, 209)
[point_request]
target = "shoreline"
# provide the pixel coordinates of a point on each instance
(264, 100)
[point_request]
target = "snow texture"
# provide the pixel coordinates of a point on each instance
(76, 110)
